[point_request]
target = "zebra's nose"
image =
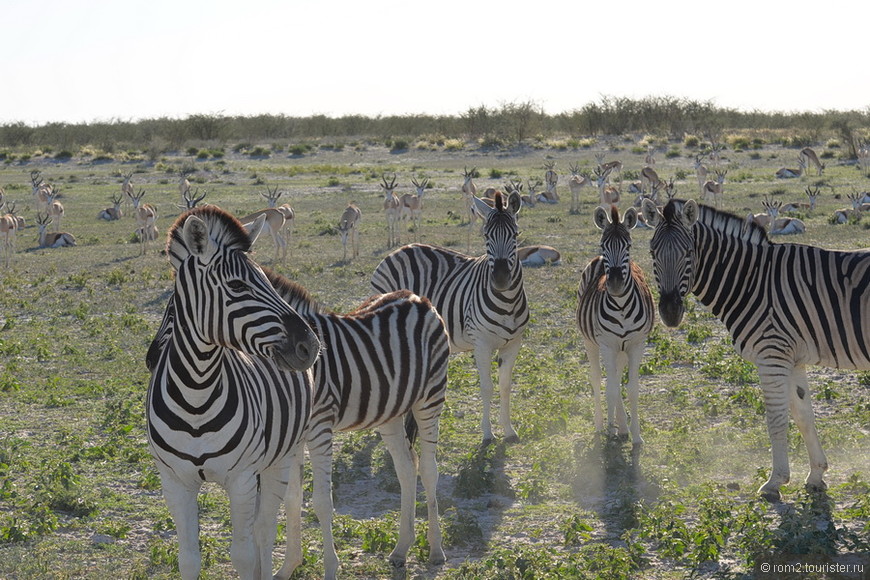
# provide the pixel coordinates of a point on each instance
(501, 274)
(671, 308)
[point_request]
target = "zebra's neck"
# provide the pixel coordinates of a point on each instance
(729, 262)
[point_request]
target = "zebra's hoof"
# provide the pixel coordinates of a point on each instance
(771, 495)
(397, 563)
(512, 439)
(486, 443)
(821, 487)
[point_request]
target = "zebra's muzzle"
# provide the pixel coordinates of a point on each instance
(301, 349)
(501, 274)
(671, 308)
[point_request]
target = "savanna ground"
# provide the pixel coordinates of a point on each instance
(80, 498)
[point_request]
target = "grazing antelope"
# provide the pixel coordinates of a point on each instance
(607, 194)
(788, 173)
(811, 193)
(649, 178)
(146, 218)
(8, 227)
(412, 203)
(615, 314)
(576, 183)
(392, 210)
(809, 156)
(713, 190)
(52, 239)
(538, 255)
(112, 213)
(609, 166)
(348, 226)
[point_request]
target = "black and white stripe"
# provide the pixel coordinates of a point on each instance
(615, 315)
(230, 392)
(785, 305)
(383, 366)
(482, 299)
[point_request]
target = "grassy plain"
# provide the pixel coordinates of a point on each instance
(79, 497)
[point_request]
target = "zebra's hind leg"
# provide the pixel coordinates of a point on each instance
(774, 384)
(405, 462)
(293, 509)
(428, 435)
(801, 406)
(181, 500)
(634, 355)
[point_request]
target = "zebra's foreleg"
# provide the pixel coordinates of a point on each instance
(293, 509)
(428, 468)
(483, 361)
(802, 411)
(405, 462)
(181, 500)
(320, 454)
(507, 357)
(273, 486)
(244, 503)
(614, 365)
(635, 352)
(594, 355)
(774, 383)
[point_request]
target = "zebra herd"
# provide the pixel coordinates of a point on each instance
(246, 368)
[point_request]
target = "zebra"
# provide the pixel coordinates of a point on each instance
(615, 315)
(383, 366)
(481, 299)
(785, 305)
(230, 391)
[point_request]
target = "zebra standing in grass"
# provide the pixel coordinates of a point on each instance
(230, 393)
(482, 299)
(785, 305)
(383, 366)
(615, 314)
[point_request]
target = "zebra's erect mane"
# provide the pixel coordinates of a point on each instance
(223, 228)
(723, 222)
(294, 294)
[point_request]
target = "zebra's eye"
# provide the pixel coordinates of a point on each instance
(237, 286)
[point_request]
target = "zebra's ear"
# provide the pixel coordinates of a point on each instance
(690, 213)
(600, 217)
(195, 235)
(651, 214)
(514, 202)
(629, 220)
(482, 208)
(255, 227)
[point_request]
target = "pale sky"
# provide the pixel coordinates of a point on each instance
(102, 60)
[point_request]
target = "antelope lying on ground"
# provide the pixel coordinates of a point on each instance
(112, 213)
(52, 239)
(538, 255)
(811, 193)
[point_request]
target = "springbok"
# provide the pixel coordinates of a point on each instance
(650, 157)
(788, 173)
(8, 227)
(271, 196)
(52, 239)
(783, 226)
(183, 184)
(576, 183)
(713, 190)
(191, 200)
(811, 193)
(607, 194)
(469, 192)
(348, 226)
(864, 159)
(289, 222)
(274, 226)
(551, 179)
(392, 211)
(609, 166)
(859, 203)
(649, 178)
(538, 255)
(55, 208)
(809, 156)
(146, 218)
(112, 213)
(41, 190)
(701, 172)
(412, 203)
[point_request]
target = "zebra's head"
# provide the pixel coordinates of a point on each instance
(616, 246)
(226, 298)
(673, 253)
(500, 231)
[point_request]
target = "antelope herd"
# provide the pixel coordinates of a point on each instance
(404, 210)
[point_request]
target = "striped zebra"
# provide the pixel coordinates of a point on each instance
(615, 315)
(220, 405)
(785, 305)
(481, 300)
(383, 366)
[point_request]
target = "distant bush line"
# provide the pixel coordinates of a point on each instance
(505, 125)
